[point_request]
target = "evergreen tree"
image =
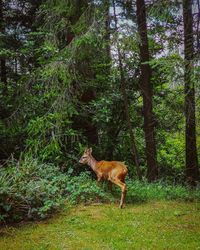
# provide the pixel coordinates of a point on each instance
(147, 93)
(192, 170)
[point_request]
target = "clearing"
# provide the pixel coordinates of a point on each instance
(152, 225)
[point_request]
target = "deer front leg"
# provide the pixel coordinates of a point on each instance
(99, 177)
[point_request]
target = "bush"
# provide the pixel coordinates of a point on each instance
(83, 189)
(32, 190)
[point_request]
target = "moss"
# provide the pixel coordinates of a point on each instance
(152, 225)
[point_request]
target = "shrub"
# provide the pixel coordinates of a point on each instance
(32, 190)
(83, 189)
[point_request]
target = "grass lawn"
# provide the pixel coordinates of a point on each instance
(152, 225)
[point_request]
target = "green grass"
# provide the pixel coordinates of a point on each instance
(151, 225)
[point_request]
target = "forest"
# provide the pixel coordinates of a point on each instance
(114, 80)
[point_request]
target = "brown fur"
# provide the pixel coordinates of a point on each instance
(113, 171)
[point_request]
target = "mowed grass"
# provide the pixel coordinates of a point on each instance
(152, 225)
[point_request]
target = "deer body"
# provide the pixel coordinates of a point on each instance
(113, 171)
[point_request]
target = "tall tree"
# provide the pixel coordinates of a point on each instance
(3, 77)
(17, 21)
(88, 95)
(125, 99)
(192, 171)
(147, 92)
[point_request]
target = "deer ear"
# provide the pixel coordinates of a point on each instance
(90, 150)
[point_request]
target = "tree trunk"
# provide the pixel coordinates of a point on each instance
(126, 105)
(3, 76)
(112, 130)
(107, 29)
(192, 171)
(147, 93)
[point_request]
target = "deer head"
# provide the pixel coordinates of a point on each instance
(86, 156)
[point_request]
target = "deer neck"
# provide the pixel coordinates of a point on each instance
(92, 163)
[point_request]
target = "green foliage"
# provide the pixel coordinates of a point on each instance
(144, 191)
(171, 156)
(30, 190)
(83, 189)
(50, 96)
(46, 136)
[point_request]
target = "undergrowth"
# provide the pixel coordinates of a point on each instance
(33, 190)
(144, 191)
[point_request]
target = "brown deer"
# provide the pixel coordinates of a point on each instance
(113, 171)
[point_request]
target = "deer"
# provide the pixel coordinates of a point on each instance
(113, 171)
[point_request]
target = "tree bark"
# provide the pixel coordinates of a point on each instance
(107, 29)
(126, 104)
(3, 75)
(192, 170)
(147, 93)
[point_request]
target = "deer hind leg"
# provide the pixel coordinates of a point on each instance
(123, 189)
